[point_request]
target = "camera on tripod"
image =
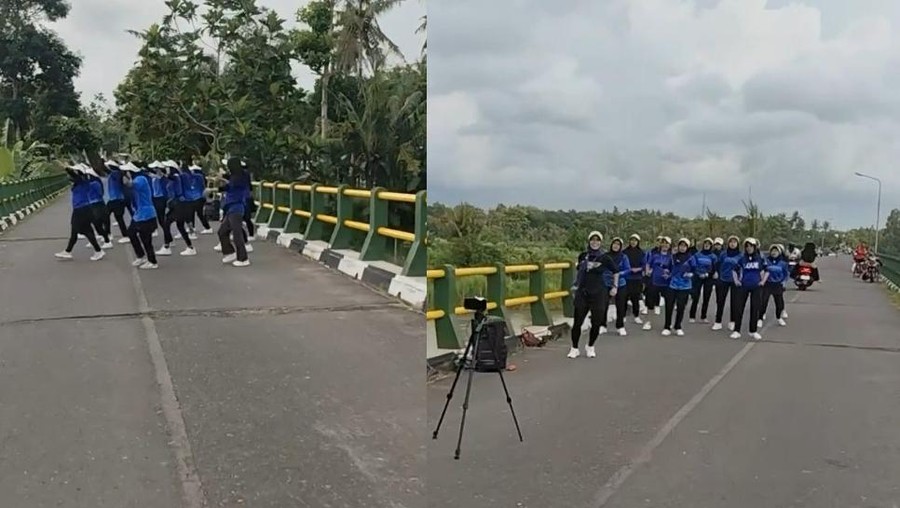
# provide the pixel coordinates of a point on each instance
(475, 303)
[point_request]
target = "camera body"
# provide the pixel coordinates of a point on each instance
(475, 303)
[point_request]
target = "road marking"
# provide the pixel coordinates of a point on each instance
(616, 481)
(191, 489)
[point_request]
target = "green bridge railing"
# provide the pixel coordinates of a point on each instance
(325, 213)
(16, 195)
(891, 268)
(541, 291)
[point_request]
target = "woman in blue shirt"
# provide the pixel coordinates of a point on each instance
(657, 267)
(590, 293)
(143, 222)
(82, 215)
(725, 281)
(682, 270)
(750, 277)
(615, 278)
(704, 261)
(779, 272)
(230, 230)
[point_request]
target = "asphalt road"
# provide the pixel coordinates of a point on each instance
(295, 386)
(808, 417)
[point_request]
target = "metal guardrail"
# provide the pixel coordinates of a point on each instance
(301, 208)
(891, 268)
(16, 195)
(446, 299)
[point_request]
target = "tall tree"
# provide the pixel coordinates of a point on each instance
(316, 47)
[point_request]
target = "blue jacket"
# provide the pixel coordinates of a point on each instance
(199, 183)
(81, 190)
(187, 192)
(143, 198)
(660, 265)
(235, 199)
(728, 260)
(779, 270)
(682, 272)
(159, 185)
(114, 185)
(177, 189)
(750, 270)
(96, 191)
(704, 263)
(623, 268)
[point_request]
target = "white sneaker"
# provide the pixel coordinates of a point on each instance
(164, 251)
(666, 332)
(735, 335)
(717, 326)
(731, 326)
(692, 320)
(218, 247)
(648, 326)
(98, 255)
(759, 323)
(251, 238)
(591, 351)
(231, 258)
(782, 322)
(241, 264)
(784, 314)
(763, 317)
(107, 245)
(124, 240)
(756, 336)
(193, 236)
(656, 311)
(63, 255)
(622, 332)
(573, 353)
(679, 332)
(155, 234)
(706, 321)
(249, 247)
(638, 321)
(207, 231)
(190, 251)
(644, 311)
(177, 236)
(138, 262)
(81, 237)
(602, 330)
(148, 266)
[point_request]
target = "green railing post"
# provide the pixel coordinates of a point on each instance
(265, 198)
(417, 258)
(315, 230)
(445, 300)
(292, 224)
(375, 247)
(540, 312)
(496, 291)
(258, 197)
(567, 278)
(342, 235)
(276, 218)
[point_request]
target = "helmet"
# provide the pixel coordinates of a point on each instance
(778, 247)
(707, 240)
(617, 239)
(635, 237)
(752, 241)
(665, 239)
(718, 241)
(595, 233)
(684, 241)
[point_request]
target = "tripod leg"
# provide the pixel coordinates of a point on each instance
(459, 370)
(462, 422)
(509, 401)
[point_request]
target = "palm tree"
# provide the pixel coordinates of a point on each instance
(360, 41)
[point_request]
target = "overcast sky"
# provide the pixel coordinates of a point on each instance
(587, 104)
(96, 29)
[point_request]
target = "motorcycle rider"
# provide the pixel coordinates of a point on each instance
(808, 258)
(859, 256)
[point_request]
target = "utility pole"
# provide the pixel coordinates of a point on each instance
(878, 206)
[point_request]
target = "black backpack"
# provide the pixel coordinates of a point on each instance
(492, 352)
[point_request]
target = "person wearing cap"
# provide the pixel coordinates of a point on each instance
(158, 186)
(779, 273)
(143, 222)
(590, 293)
(728, 259)
(718, 243)
(249, 207)
(82, 215)
(704, 268)
(647, 278)
(180, 208)
(117, 203)
(634, 285)
(682, 271)
(750, 277)
(615, 279)
(658, 267)
(234, 199)
(98, 206)
(196, 195)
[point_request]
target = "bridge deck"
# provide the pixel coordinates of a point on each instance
(808, 417)
(296, 386)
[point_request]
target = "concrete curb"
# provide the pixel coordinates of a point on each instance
(890, 284)
(8, 221)
(383, 276)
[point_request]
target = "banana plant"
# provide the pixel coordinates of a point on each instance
(17, 160)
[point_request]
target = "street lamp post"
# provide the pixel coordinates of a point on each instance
(878, 208)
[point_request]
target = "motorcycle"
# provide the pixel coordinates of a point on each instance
(804, 277)
(871, 273)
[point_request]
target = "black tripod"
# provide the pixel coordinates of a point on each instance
(472, 366)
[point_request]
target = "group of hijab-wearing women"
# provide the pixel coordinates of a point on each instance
(669, 276)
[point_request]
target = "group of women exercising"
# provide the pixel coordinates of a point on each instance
(669, 276)
(159, 194)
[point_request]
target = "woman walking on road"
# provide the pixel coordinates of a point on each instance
(658, 268)
(143, 222)
(98, 206)
(615, 281)
(779, 273)
(235, 193)
(590, 293)
(634, 284)
(725, 285)
(750, 277)
(705, 265)
(679, 287)
(82, 215)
